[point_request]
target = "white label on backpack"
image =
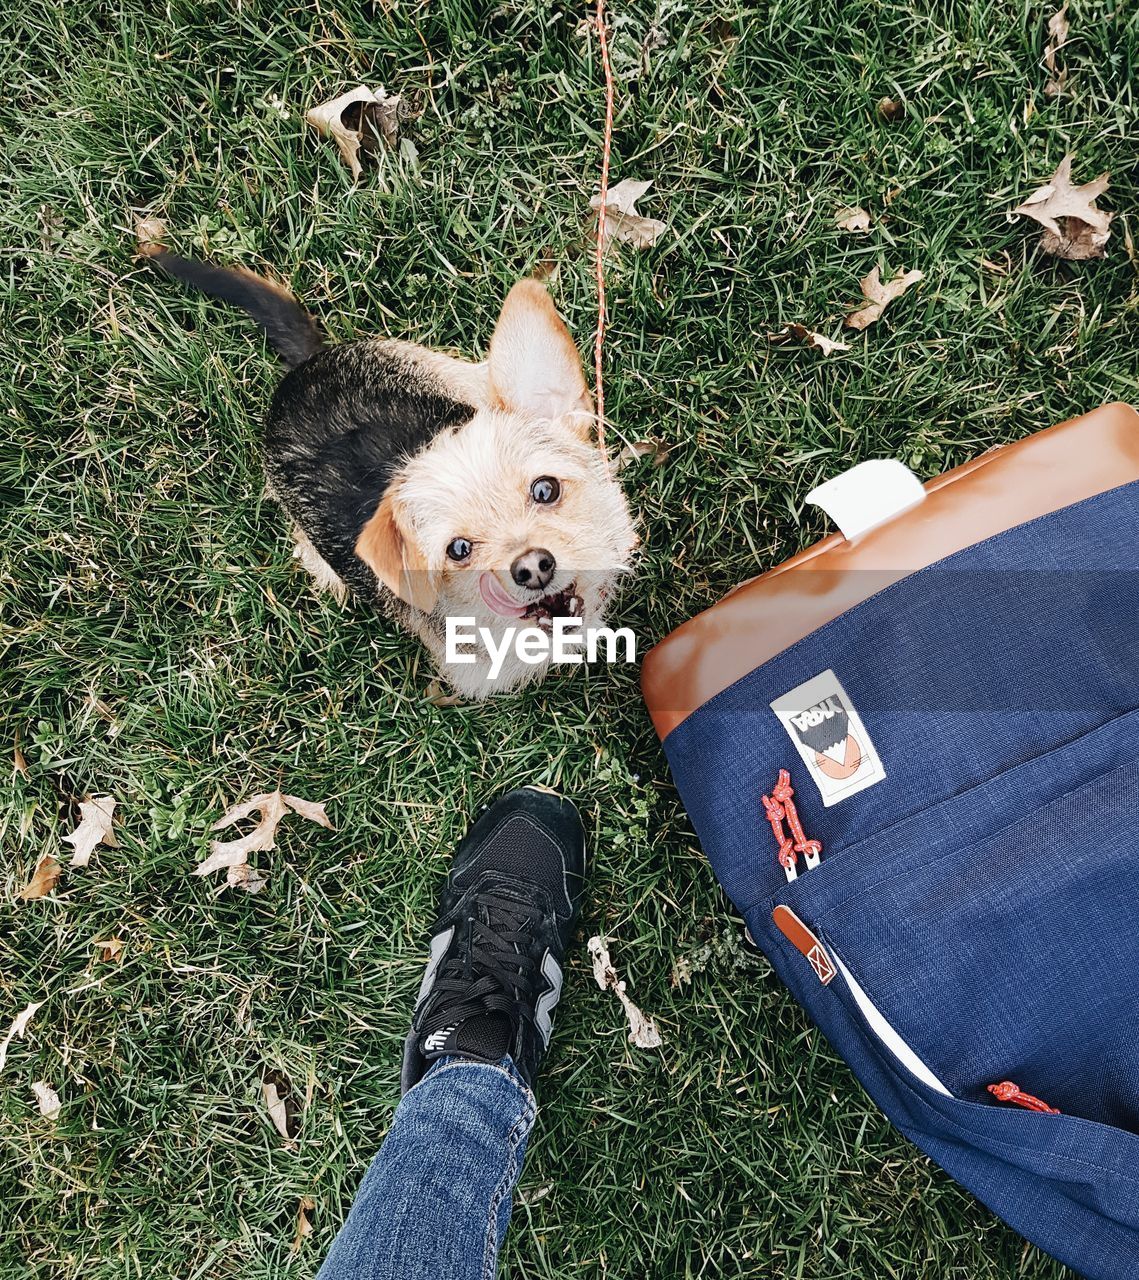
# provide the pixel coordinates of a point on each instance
(830, 737)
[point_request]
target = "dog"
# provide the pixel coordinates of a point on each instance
(435, 487)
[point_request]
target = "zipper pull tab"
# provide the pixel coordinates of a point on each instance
(805, 942)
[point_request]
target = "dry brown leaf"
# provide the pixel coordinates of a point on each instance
(150, 235)
(531, 1195)
(998, 268)
(232, 856)
(622, 221)
(800, 333)
(95, 818)
(47, 1099)
(17, 1029)
(313, 810)
(641, 449)
(879, 296)
(44, 879)
(246, 878)
(852, 218)
(304, 1224)
(19, 763)
(891, 109)
(642, 1029)
(1073, 227)
(1057, 38)
(275, 1105)
(51, 225)
(438, 696)
(357, 121)
(110, 949)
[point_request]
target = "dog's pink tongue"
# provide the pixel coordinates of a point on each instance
(498, 600)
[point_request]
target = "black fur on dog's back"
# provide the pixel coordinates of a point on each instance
(343, 420)
(338, 429)
(291, 331)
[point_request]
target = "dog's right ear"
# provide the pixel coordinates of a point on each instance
(394, 558)
(533, 364)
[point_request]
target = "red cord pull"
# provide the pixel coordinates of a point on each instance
(1006, 1091)
(786, 852)
(783, 793)
(776, 807)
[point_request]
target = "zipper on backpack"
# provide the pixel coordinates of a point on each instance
(826, 966)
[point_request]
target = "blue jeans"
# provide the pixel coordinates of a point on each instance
(435, 1202)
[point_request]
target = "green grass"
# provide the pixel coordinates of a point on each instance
(162, 647)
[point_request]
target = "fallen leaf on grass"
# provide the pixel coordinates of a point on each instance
(1057, 38)
(110, 949)
(1073, 227)
(19, 763)
(642, 1030)
(304, 1222)
(641, 449)
(879, 296)
(47, 1099)
(95, 817)
(531, 1195)
(357, 122)
(44, 879)
(51, 225)
(438, 696)
(800, 333)
(891, 109)
(17, 1029)
(852, 218)
(150, 235)
(998, 268)
(275, 1105)
(246, 878)
(313, 810)
(622, 221)
(232, 855)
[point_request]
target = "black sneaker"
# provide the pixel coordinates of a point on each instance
(505, 919)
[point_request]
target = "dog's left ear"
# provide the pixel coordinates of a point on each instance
(533, 364)
(393, 556)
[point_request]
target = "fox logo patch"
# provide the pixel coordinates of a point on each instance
(830, 737)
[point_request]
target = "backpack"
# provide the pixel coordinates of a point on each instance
(912, 759)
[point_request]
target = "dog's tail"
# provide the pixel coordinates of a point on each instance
(291, 331)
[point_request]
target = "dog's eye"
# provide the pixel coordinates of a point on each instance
(545, 490)
(459, 549)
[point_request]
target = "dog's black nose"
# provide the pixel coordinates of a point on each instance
(533, 568)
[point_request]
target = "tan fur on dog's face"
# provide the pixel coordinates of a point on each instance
(532, 419)
(475, 483)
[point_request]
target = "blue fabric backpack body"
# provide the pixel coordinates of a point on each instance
(964, 743)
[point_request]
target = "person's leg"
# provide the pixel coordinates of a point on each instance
(436, 1201)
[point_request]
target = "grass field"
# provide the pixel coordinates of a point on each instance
(160, 645)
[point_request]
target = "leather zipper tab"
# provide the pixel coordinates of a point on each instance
(802, 939)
